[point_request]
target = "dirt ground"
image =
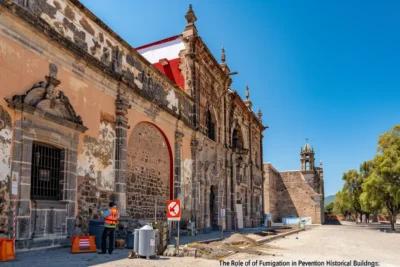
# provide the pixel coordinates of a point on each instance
(322, 243)
(335, 243)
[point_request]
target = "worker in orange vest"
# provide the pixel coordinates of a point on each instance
(110, 223)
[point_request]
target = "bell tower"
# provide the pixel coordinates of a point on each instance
(307, 157)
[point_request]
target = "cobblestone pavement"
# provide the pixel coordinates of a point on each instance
(322, 243)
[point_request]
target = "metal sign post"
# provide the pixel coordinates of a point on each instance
(174, 214)
(14, 192)
(155, 212)
(222, 221)
(177, 241)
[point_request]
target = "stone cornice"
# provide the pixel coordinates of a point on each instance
(239, 101)
(44, 27)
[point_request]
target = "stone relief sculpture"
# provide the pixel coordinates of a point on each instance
(44, 96)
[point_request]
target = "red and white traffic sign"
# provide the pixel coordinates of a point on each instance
(174, 210)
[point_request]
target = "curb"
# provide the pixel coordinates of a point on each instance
(269, 239)
(210, 240)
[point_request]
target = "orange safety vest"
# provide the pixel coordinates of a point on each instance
(112, 218)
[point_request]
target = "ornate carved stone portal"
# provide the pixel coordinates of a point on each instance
(53, 104)
(39, 216)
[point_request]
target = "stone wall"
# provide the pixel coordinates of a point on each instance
(89, 200)
(271, 176)
(96, 173)
(5, 165)
(295, 197)
(292, 193)
(102, 65)
(148, 173)
(72, 21)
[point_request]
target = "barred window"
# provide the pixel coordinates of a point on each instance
(45, 172)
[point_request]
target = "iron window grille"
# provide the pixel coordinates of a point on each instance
(45, 172)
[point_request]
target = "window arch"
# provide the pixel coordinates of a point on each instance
(256, 159)
(237, 138)
(210, 124)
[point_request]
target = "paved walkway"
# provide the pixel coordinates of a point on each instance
(62, 256)
(322, 243)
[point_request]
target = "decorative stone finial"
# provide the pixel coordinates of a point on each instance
(190, 16)
(52, 83)
(223, 58)
(320, 163)
(259, 114)
(247, 92)
(53, 70)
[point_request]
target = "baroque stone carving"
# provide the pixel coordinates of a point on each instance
(43, 96)
(257, 180)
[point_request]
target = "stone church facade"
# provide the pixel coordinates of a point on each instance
(85, 119)
(295, 193)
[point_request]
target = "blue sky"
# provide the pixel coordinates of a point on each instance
(324, 70)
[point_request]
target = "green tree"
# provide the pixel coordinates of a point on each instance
(366, 169)
(382, 187)
(329, 207)
(342, 204)
(352, 190)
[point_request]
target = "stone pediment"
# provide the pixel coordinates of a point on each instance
(52, 104)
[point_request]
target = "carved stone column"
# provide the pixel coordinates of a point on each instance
(121, 128)
(177, 169)
(202, 197)
(229, 207)
(195, 184)
(207, 214)
(201, 207)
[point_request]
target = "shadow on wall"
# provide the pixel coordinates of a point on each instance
(285, 206)
(333, 219)
(89, 200)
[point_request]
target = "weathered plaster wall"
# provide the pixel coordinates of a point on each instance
(148, 172)
(5, 167)
(187, 183)
(96, 172)
(26, 56)
(88, 91)
(72, 23)
(97, 158)
(91, 92)
(186, 173)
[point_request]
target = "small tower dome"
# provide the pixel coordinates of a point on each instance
(307, 157)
